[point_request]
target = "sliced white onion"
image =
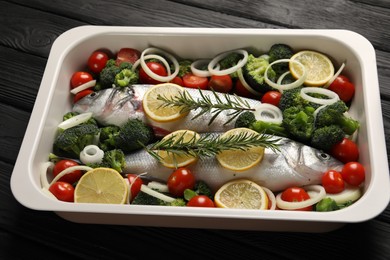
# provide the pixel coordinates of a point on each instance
(129, 185)
(268, 113)
(153, 56)
(69, 170)
(320, 194)
(245, 84)
(201, 73)
(335, 76)
(292, 85)
(154, 75)
(43, 174)
(156, 194)
(230, 70)
(281, 78)
(75, 120)
(91, 154)
(348, 194)
(333, 97)
(161, 187)
(87, 85)
(271, 198)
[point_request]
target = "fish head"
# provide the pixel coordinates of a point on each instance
(318, 160)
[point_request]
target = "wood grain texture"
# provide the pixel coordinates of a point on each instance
(28, 29)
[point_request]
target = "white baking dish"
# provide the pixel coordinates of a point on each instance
(70, 52)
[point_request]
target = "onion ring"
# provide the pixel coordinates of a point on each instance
(91, 154)
(273, 111)
(292, 85)
(154, 75)
(201, 73)
(245, 84)
(75, 120)
(323, 91)
(230, 70)
(84, 86)
(321, 193)
(335, 76)
(271, 197)
(69, 170)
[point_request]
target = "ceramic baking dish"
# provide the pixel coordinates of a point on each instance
(70, 52)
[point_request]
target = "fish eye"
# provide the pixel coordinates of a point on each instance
(92, 94)
(324, 156)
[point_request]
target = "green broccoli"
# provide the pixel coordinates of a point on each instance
(299, 123)
(200, 188)
(184, 67)
(107, 75)
(254, 70)
(325, 137)
(334, 114)
(72, 114)
(245, 119)
(143, 198)
(229, 61)
(72, 141)
(126, 77)
(130, 137)
(277, 52)
(329, 204)
(269, 128)
(114, 159)
(178, 202)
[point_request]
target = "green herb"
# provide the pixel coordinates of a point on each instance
(207, 105)
(210, 144)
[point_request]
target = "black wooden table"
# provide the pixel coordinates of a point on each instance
(27, 31)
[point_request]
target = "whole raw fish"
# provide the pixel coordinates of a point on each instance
(295, 164)
(114, 106)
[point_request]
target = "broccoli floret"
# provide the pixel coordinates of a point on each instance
(334, 114)
(72, 141)
(299, 123)
(269, 128)
(277, 52)
(133, 135)
(201, 188)
(114, 159)
(325, 137)
(245, 119)
(229, 61)
(254, 70)
(126, 77)
(184, 67)
(143, 198)
(107, 137)
(327, 204)
(178, 202)
(107, 75)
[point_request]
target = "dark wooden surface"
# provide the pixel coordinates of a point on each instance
(27, 31)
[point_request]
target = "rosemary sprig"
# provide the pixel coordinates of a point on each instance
(206, 104)
(210, 144)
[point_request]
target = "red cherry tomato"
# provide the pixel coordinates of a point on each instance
(242, 91)
(353, 173)
(333, 182)
(222, 83)
(345, 151)
(127, 55)
(343, 87)
(192, 81)
(71, 177)
(178, 81)
(63, 191)
(179, 180)
(79, 78)
(156, 68)
(82, 94)
(97, 61)
(271, 97)
(135, 184)
(201, 201)
(296, 194)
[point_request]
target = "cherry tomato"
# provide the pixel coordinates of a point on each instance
(63, 191)
(179, 180)
(135, 184)
(79, 78)
(71, 177)
(271, 97)
(192, 81)
(353, 173)
(97, 61)
(82, 94)
(222, 83)
(333, 182)
(155, 67)
(242, 91)
(127, 55)
(296, 194)
(178, 81)
(201, 201)
(343, 87)
(345, 151)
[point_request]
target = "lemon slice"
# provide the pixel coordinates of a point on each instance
(101, 185)
(172, 160)
(155, 108)
(319, 67)
(241, 194)
(240, 160)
